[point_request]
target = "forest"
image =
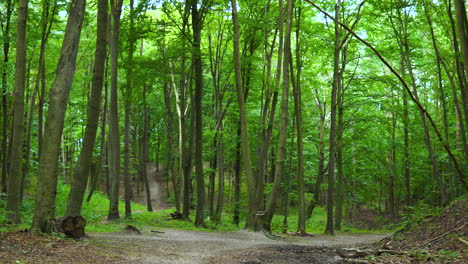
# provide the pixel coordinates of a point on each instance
(249, 109)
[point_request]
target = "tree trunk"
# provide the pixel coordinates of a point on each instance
(6, 53)
(47, 178)
(114, 138)
(128, 96)
(462, 27)
(80, 177)
(197, 61)
(331, 164)
(16, 166)
(170, 144)
(144, 148)
(301, 226)
(244, 135)
(281, 153)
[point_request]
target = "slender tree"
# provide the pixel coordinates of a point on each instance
(281, 153)
(114, 139)
(5, 25)
(197, 61)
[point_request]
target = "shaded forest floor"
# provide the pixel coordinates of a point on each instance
(177, 246)
(438, 238)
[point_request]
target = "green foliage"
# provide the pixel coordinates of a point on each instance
(418, 213)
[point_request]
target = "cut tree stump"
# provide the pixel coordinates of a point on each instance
(71, 226)
(176, 215)
(132, 230)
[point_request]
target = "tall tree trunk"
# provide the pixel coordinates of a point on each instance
(197, 61)
(462, 79)
(281, 153)
(47, 178)
(6, 59)
(80, 177)
(144, 148)
(220, 160)
(331, 164)
(301, 226)
(114, 138)
(244, 136)
(340, 193)
(16, 168)
(128, 96)
(462, 28)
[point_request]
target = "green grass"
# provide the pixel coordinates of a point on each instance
(95, 212)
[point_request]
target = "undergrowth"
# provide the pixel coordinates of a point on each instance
(95, 213)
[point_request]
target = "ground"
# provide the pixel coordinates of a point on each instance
(177, 246)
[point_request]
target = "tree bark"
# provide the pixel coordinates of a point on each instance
(47, 178)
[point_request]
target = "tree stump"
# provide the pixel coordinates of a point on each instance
(73, 226)
(176, 215)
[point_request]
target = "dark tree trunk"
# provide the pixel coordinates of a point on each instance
(6, 53)
(331, 164)
(197, 61)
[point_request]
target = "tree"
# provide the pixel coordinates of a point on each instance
(197, 61)
(5, 25)
(114, 138)
(16, 167)
(244, 139)
(47, 178)
(281, 153)
(80, 178)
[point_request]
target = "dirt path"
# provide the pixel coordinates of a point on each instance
(158, 188)
(184, 247)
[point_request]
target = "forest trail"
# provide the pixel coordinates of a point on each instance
(170, 246)
(158, 188)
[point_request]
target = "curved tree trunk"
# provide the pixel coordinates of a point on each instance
(80, 177)
(47, 178)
